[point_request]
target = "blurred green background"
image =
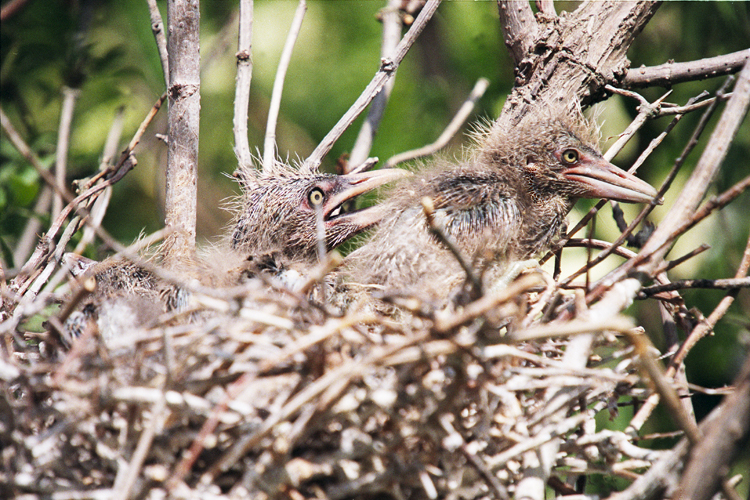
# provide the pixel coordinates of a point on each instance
(106, 49)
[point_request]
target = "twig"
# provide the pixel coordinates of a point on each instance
(679, 110)
(269, 144)
(100, 205)
(471, 276)
(600, 244)
(157, 28)
(391, 19)
(70, 96)
(458, 120)
(127, 477)
(387, 69)
(676, 262)
(671, 73)
(242, 84)
(718, 284)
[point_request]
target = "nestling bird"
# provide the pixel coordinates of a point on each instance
(285, 215)
(506, 202)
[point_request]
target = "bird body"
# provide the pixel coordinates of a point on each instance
(507, 201)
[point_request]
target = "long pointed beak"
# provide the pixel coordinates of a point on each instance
(352, 185)
(604, 180)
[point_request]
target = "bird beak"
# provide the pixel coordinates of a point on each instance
(352, 185)
(601, 179)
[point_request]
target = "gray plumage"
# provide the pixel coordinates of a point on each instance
(506, 201)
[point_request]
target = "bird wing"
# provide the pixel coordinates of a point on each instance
(477, 210)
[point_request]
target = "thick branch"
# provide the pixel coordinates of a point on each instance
(519, 27)
(668, 74)
(242, 85)
(183, 18)
(572, 61)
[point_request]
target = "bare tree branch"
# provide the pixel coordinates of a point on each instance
(269, 145)
(519, 27)
(183, 18)
(668, 74)
(63, 140)
(458, 120)
(157, 27)
(387, 69)
(391, 36)
(242, 87)
(717, 284)
(571, 60)
(723, 439)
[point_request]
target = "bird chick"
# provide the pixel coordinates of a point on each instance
(286, 212)
(506, 202)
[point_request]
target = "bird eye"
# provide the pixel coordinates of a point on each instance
(316, 197)
(570, 156)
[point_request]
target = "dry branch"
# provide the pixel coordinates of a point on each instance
(180, 203)
(672, 73)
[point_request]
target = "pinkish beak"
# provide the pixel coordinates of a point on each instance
(604, 180)
(353, 185)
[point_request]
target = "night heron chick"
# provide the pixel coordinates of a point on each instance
(506, 202)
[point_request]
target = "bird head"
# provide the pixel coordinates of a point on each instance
(564, 160)
(280, 210)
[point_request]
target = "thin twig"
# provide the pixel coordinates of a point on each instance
(99, 207)
(157, 28)
(386, 72)
(717, 284)
(70, 96)
(458, 120)
(391, 19)
(269, 144)
(428, 207)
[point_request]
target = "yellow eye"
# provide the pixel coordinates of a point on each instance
(570, 156)
(316, 197)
